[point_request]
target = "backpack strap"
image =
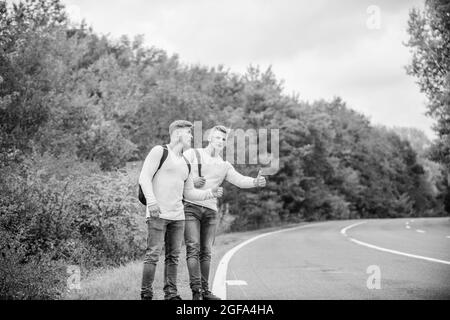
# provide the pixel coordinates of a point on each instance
(141, 195)
(188, 165)
(163, 158)
(199, 162)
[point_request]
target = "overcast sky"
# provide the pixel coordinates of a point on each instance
(320, 49)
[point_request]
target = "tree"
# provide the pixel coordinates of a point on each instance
(430, 44)
(416, 137)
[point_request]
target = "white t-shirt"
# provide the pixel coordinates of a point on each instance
(169, 185)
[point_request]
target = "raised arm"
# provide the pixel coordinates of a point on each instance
(149, 168)
(238, 179)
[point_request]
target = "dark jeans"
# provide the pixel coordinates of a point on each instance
(169, 233)
(199, 233)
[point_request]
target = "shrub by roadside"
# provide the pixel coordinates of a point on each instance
(56, 212)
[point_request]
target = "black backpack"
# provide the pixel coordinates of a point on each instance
(141, 195)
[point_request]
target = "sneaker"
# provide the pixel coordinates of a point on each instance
(197, 295)
(175, 298)
(207, 295)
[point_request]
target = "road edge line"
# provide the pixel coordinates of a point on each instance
(219, 287)
(361, 243)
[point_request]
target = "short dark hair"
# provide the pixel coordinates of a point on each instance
(220, 128)
(177, 124)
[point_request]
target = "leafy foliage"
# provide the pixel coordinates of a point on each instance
(430, 44)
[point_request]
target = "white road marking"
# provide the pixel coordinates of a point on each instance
(219, 287)
(344, 231)
(420, 231)
(407, 222)
(408, 227)
(236, 282)
(389, 250)
(448, 237)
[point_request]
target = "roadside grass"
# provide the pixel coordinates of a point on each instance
(124, 282)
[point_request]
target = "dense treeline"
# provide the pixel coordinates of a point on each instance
(76, 107)
(429, 41)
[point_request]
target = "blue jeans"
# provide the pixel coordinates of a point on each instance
(199, 234)
(169, 233)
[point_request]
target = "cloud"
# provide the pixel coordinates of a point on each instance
(320, 48)
(74, 13)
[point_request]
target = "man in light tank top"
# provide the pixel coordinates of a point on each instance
(201, 215)
(164, 188)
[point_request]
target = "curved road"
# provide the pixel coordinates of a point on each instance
(330, 260)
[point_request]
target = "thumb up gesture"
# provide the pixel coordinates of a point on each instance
(259, 181)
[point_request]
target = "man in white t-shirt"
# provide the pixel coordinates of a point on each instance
(201, 215)
(165, 179)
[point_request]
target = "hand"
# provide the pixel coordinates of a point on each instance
(154, 210)
(199, 182)
(217, 192)
(259, 181)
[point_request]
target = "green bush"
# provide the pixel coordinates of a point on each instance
(24, 276)
(64, 212)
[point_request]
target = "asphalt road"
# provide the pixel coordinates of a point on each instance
(323, 261)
